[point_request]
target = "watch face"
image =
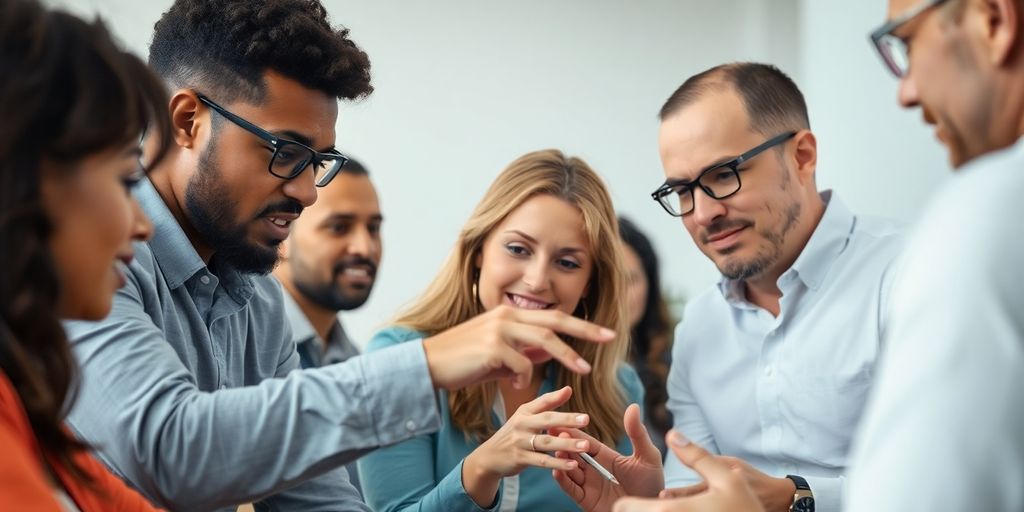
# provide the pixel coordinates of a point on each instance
(805, 504)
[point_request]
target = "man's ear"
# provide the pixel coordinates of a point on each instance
(999, 25)
(185, 121)
(806, 155)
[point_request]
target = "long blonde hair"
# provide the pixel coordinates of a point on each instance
(450, 299)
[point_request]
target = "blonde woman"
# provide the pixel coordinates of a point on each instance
(544, 236)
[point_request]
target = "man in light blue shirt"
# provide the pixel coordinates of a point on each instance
(770, 368)
(773, 365)
(189, 388)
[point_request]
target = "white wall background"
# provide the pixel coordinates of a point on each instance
(463, 87)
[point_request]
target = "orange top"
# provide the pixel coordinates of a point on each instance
(24, 481)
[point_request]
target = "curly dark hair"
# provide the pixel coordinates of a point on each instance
(68, 93)
(651, 339)
(225, 47)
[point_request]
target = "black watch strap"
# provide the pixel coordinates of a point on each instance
(801, 484)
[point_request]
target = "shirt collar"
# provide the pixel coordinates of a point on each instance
(175, 253)
(829, 239)
(172, 249)
(302, 330)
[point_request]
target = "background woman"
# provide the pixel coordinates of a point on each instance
(543, 237)
(650, 328)
(73, 108)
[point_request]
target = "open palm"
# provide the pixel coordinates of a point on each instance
(640, 474)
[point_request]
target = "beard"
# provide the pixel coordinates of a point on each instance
(768, 253)
(213, 218)
(328, 294)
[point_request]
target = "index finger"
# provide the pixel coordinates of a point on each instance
(565, 323)
(524, 335)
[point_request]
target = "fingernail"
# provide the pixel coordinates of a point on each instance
(583, 364)
(581, 419)
(607, 333)
(582, 445)
(677, 439)
(571, 464)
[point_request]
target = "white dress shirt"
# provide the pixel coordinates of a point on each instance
(944, 429)
(786, 393)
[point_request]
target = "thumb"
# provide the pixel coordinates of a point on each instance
(643, 447)
(715, 472)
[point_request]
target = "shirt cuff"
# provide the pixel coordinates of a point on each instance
(828, 492)
(399, 394)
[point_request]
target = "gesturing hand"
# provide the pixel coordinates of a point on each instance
(522, 442)
(725, 490)
(507, 342)
(639, 474)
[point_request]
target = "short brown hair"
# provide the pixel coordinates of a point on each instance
(773, 101)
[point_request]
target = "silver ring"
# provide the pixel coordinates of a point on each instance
(532, 439)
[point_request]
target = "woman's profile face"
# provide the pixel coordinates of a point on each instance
(636, 285)
(95, 219)
(538, 257)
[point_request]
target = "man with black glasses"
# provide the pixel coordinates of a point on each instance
(771, 367)
(190, 390)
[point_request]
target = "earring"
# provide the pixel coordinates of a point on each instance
(475, 288)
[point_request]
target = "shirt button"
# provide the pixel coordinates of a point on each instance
(410, 426)
(767, 371)
(205, 279)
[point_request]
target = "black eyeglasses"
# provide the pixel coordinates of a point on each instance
(718, 181)
(893, 49)
(290, 158)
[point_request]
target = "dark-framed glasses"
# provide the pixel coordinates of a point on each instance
(290, 158)
(892, 48)
(718, 181)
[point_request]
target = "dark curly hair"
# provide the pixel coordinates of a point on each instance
(67, 93)
(225, 47)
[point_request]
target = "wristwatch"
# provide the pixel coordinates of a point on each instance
(803, 498)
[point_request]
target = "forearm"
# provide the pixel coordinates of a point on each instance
(194, 449)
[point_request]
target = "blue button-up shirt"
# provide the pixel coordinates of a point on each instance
(188, 389)
(785, 393)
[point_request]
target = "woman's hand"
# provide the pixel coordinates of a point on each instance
(521, 442)
(639, 474)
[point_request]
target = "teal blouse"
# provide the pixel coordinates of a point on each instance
(425, 473)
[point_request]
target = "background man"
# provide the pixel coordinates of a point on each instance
(329, 264)
(771, 368)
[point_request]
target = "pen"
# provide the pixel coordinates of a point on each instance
(600, 469)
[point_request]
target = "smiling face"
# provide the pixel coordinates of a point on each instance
(538, 257)
(234, 207)
(334, 249)
(746, 235)
(95, 220)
